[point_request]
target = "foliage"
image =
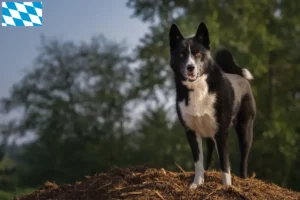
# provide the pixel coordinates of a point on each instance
(264, 38)
(9, 195)
(74, 101)
(90, 109)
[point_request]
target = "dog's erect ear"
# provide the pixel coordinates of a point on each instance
(202, 35)
(174, 36)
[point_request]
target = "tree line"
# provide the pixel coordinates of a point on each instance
(93, 105)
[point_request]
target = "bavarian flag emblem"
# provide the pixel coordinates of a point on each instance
(22, 13)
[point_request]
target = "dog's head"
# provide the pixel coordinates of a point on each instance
(189, 56)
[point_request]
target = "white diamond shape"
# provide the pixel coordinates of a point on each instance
(9, 20)
(21, 7)
(39, 12)
(26, 23)
(35, 19)
(14, 14)
(4, 5)
(28, 4)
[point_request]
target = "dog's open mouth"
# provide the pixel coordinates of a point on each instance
(191, 76)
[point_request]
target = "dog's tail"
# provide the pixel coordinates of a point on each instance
(226, 61)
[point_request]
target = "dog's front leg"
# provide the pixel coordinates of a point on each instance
(222, 149)
(195, 142)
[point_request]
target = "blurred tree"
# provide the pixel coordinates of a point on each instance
(89, 108)
(160, 140)
(264, 38)
(74, 102)
(7, 167)
(7, 174)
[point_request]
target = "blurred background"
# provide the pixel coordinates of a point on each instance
(92, 88)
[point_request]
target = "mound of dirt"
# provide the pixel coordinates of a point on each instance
(148, 183)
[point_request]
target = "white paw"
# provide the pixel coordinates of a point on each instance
(226, 179)
(195, 184)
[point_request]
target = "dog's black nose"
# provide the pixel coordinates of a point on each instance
(190, 68)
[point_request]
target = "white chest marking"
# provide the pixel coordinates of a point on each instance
(199, 114)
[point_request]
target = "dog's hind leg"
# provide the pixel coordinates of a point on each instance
(210, 144)
(244, 130)
(223, 152)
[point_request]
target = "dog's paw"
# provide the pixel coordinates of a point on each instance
(193, 186)
(226, 179)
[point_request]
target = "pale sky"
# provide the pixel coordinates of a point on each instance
(76, 20)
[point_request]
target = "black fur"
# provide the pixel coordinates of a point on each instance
(234, 105)
(226, 61)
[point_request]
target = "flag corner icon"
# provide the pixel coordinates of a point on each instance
(22, 13)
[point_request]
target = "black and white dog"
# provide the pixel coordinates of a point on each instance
(211, 95)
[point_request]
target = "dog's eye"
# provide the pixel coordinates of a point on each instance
(182, 54)
(198, 54)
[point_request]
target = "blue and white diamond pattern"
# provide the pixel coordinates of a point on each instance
(22, 13)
